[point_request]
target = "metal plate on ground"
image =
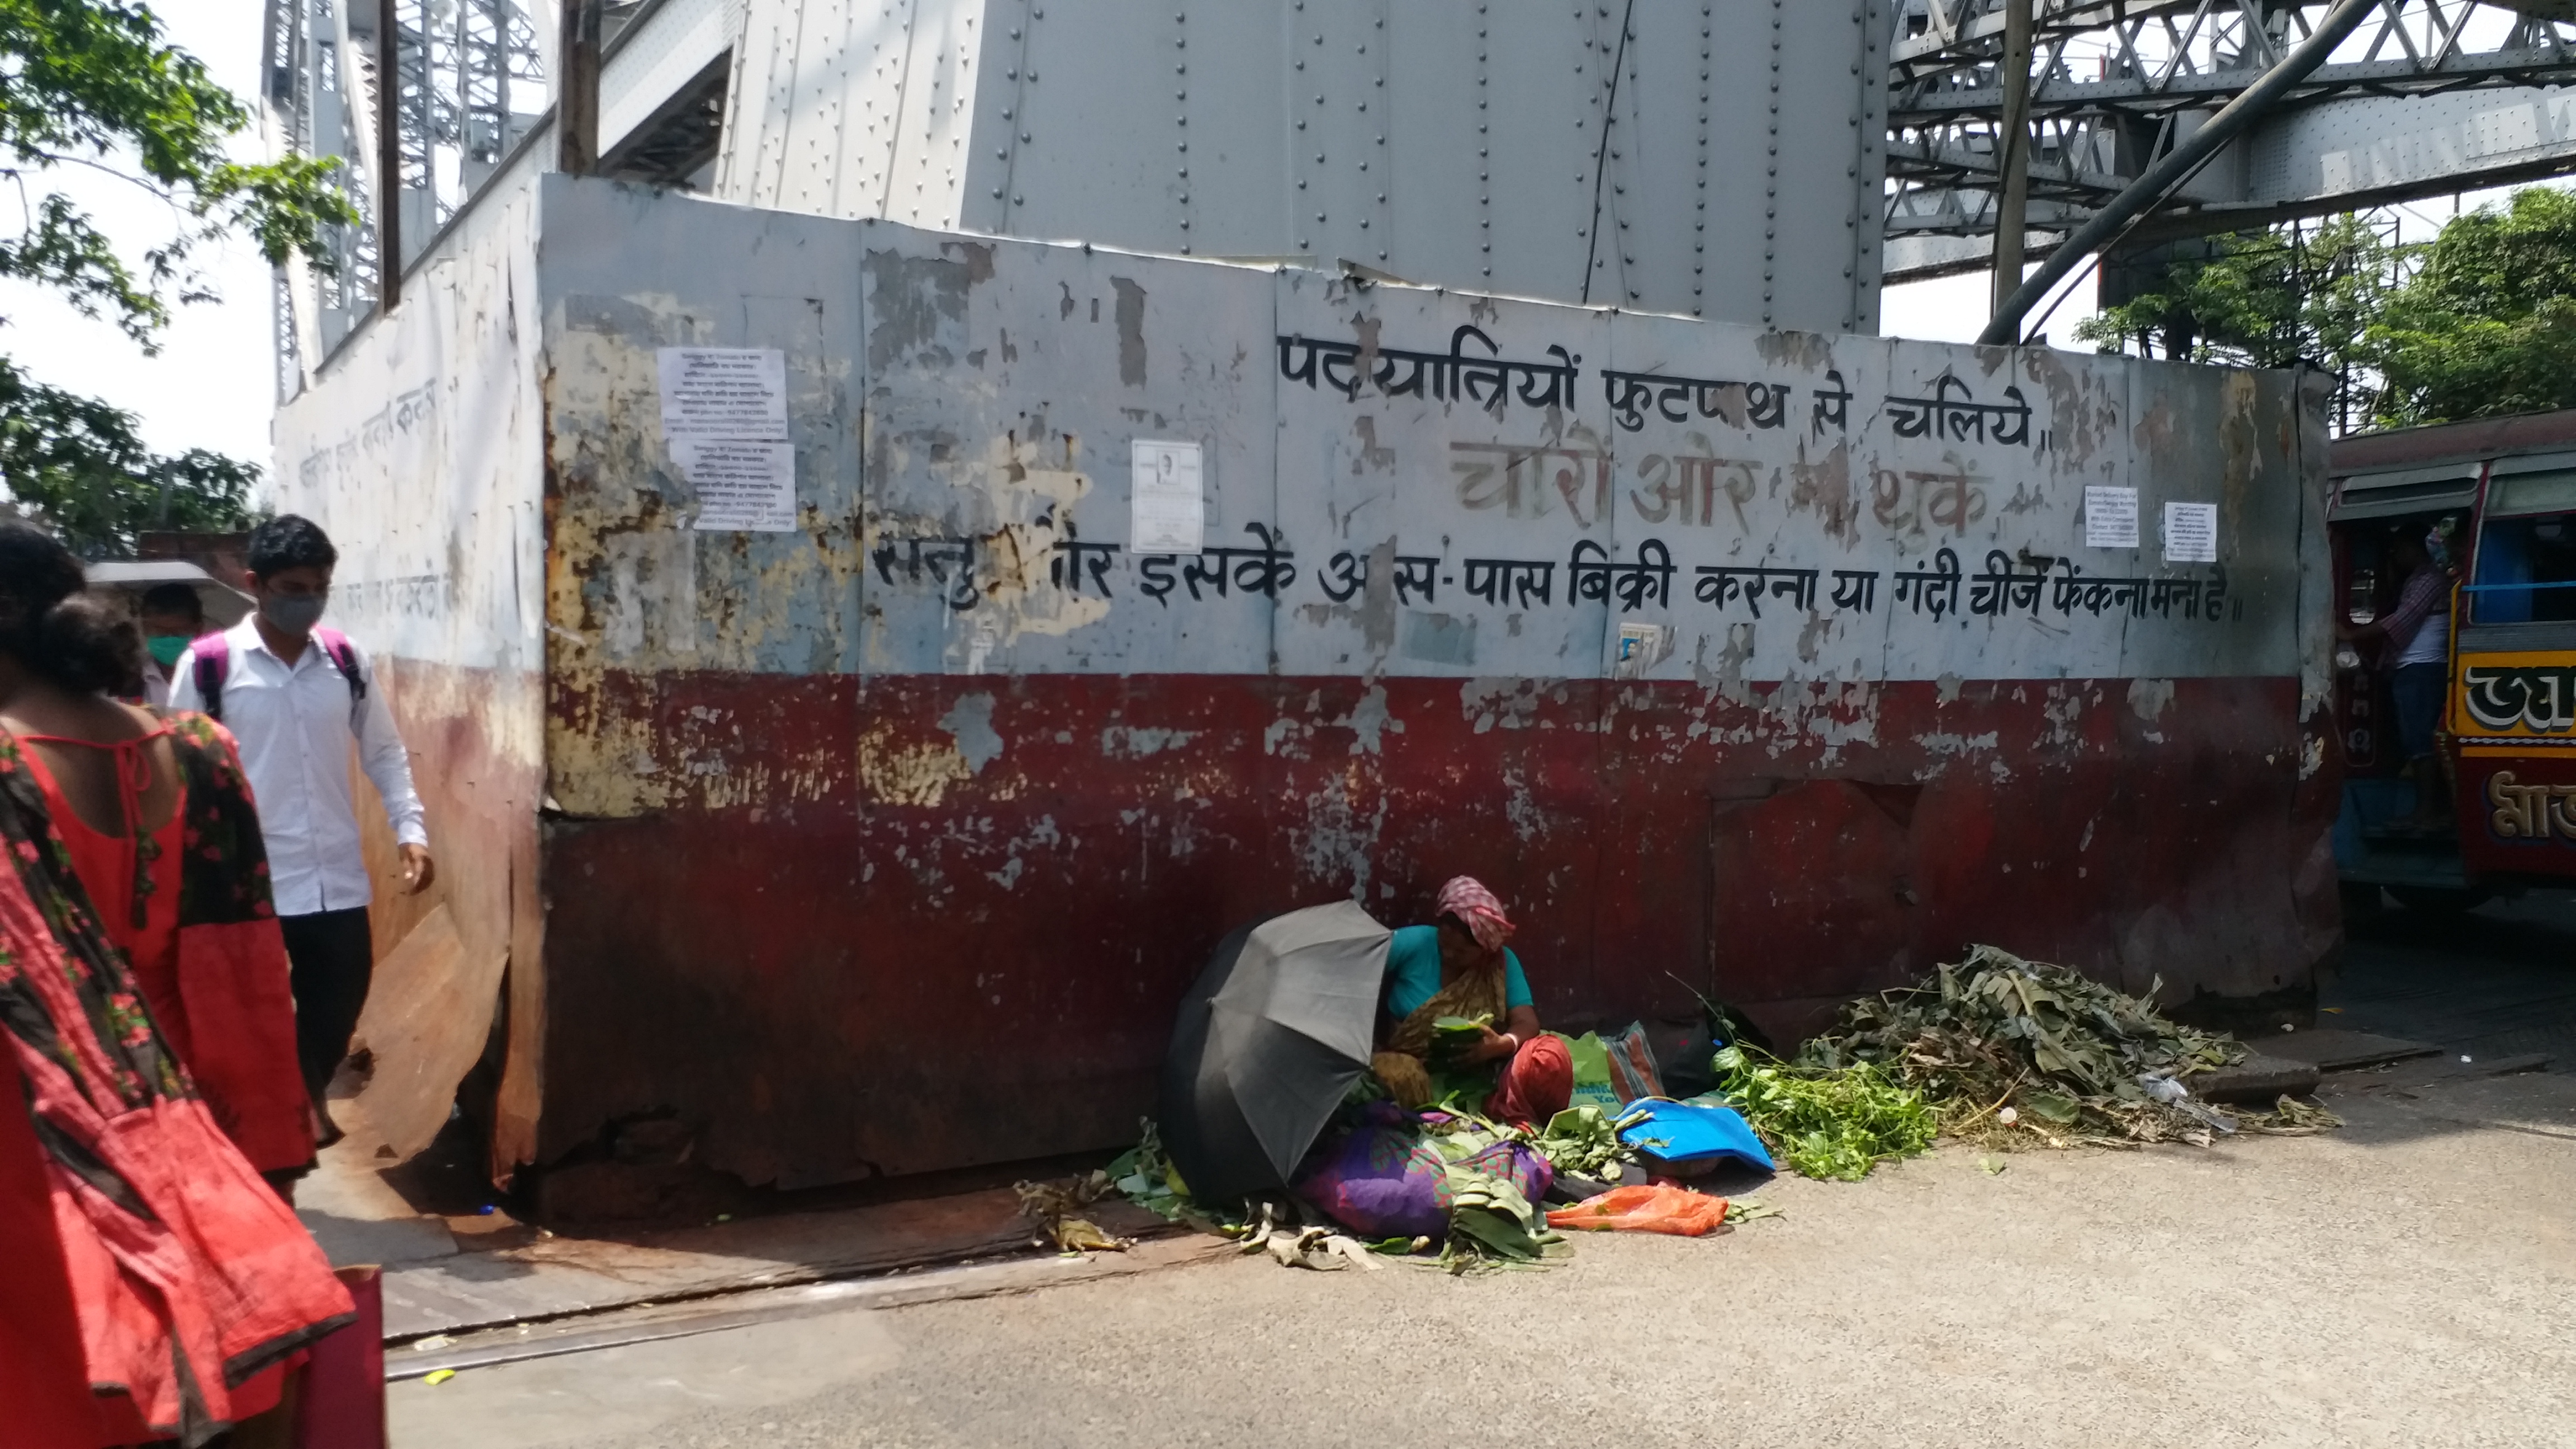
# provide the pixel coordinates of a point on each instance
(2335, 1049)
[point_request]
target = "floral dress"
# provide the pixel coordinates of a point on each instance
(188, 903)
(191, 1281)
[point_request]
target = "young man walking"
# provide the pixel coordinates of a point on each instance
(297, 697)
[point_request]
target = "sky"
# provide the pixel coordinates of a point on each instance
(213, 383)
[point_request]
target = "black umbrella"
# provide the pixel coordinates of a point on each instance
(1268, 1042)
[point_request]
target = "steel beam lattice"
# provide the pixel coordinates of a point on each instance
(2407, 106)
(469, 84)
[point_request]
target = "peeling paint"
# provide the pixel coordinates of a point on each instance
(1508, 703)
(1131, 331)
(786, 716)
(918, 774)
(2150, 698)
(970, 723)
(1369, 722)
(1135, 743)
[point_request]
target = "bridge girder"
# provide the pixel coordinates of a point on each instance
(2430, 97)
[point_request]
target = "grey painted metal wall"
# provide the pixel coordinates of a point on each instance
(1723, 161)
(1401, 481)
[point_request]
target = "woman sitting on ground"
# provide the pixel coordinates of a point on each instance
(1459, 966)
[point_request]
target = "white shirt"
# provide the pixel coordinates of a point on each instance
(292, 722)
(2429, 590)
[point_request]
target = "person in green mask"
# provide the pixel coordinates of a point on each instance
(172, 617)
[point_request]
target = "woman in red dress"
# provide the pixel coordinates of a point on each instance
(190, 1283)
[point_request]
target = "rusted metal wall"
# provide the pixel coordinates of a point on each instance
(420, 450)
(887, 843)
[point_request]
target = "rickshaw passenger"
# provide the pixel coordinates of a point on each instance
(2418, 656)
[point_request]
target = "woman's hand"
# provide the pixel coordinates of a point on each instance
(1495, 1046)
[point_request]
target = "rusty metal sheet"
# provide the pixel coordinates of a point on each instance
(424, 1025)
(984, 968)
(889, 842)
(419, 449)
(885, 844)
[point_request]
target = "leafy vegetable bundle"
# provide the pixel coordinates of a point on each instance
(1830, 1122)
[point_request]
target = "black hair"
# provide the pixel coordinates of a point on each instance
(173, 599)
(290, 541)
(52, 626)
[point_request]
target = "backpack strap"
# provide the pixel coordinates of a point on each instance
(210, 659)
(344, 657)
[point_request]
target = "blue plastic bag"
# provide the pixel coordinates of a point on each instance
(1694, 1135)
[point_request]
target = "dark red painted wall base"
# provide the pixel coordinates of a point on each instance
(962, 938)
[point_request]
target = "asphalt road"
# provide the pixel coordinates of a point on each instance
(2494, 982)
(2402, 1282)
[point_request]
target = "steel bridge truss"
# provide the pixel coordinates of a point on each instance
(2428, 97)
(469, 84)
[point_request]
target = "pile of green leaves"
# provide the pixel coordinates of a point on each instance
(1583, 1142)
(1997, 1031)
(1833, 1122)
(1491, 1224)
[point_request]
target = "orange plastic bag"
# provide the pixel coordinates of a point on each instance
(1658, 1208)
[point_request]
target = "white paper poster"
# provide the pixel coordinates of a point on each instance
(1641, 647)
(724, 418)
(2110, 518)
(2191, 533)
(1167, 497)
(746, 484)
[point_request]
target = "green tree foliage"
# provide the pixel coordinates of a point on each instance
(2487, 323)
(2478, 322)
(2260, 298)
(78, 464)
(90, 84)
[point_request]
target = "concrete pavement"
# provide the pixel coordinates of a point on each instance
(2401, 1282)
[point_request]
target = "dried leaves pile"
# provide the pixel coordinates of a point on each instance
(1055, 1208)
(2004, 1050)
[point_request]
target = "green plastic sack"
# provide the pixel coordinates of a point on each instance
(1592, 1083)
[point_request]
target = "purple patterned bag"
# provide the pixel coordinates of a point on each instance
(1384, 1179)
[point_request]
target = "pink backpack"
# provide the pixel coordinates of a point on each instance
(210, 659)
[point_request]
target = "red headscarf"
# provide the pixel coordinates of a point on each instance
(1478, 910)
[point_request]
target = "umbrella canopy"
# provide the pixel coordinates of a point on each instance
(1268, 1042)
(225, 606)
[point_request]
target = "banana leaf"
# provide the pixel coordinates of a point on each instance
(1452, 1037)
